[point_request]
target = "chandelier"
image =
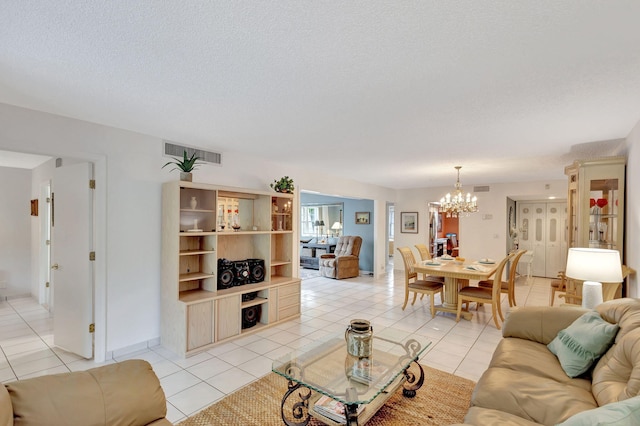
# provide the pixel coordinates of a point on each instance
(454, 205)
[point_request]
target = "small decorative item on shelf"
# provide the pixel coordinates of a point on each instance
(235, 227)
(186, 165)
(284, 185)
(194, 203)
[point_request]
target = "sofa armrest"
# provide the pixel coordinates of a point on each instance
(346, 259)
(327, 256)
(539, 323)
(6, 409)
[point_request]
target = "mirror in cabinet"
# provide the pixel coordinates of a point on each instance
(241, 212)
(603, 213)
(281, 219)
(197, 210)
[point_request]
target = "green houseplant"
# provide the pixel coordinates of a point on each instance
(284, 185)
(186, 165)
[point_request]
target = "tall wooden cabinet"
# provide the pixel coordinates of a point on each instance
(596, 203)
(203, 223)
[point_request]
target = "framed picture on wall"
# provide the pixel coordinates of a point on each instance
(409, 222)
(440, 222)
(362, 218)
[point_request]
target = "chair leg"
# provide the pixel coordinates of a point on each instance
(406, 298)
(415, 296)
(553, 296)
(432, 296)
(499, 307)
(495, 316)
(421, 296)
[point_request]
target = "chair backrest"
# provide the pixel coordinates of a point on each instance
(409, 261)
(348, 245)
(514, 266)
(497, 278)
(424, 251)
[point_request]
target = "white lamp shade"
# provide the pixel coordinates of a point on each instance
(592, 264)
(336, 225)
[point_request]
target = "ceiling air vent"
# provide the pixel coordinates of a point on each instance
(174, 150)
(484, 188)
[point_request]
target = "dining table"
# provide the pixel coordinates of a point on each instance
(454, 272)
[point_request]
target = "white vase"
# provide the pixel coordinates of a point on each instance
(194, 203)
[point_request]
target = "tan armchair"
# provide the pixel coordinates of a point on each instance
(344, 262)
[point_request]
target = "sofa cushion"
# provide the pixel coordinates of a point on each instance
(583, 342)
(537, 399)
(6, 411)
(616, 376)
(487, 416)
(126, 393)
(535, 359)
(623, 413)
(624, 312)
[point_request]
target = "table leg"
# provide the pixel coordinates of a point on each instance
(413, 383)
(300, 410)
(450, 302)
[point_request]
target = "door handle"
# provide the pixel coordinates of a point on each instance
(55, 266)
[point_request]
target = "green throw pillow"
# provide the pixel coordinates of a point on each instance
(582, 343)
(623, 413)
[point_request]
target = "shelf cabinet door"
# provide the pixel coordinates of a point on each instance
(199, 325)
(596, 203)
(228, 317)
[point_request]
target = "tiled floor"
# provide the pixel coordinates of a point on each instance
(464, 348)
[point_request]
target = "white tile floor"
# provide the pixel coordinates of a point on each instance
(464, 348)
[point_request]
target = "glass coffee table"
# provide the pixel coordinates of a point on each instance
(337, 388)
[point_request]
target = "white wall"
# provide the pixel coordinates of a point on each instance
(15, 229)
(479, 235)
(632, 214)
(132, 179)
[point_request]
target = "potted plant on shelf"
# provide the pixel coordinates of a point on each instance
(284, 185)
(186, 165)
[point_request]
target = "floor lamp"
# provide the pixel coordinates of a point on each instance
(594, 267)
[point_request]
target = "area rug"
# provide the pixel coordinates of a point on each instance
(442, 400)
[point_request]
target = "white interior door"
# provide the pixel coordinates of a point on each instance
(72, 271)
(556, 252)
(531, 219)
(45, 246)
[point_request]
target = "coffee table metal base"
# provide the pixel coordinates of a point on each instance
(301, 412)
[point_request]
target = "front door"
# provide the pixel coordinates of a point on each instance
(72, 271)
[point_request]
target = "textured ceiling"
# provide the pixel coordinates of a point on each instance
(390, 93)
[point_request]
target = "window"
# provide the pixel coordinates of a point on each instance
(308, 215)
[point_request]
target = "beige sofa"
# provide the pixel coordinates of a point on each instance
(126, 393)
(526, 385)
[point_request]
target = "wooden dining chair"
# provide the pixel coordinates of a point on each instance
(423, 250)
(413, 284)
(559, 285)
(508, 287)
(482, 295)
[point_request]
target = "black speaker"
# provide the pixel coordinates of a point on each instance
(241, 272)
(251, 316)
(256, 270)
(225, 274)
(249, 296)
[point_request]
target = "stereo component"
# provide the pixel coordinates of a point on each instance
(251, 315)
(225, 274)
